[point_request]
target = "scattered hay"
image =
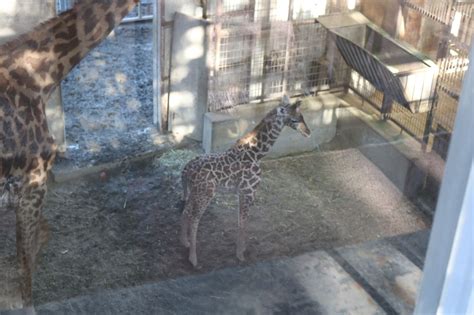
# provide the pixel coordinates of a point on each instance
(173, 161)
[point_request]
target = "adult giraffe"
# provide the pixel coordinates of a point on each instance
(31, 66)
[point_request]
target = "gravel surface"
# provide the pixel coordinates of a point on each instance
(108, 99)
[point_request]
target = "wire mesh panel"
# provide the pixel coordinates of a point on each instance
(413, 123)
(261, 50)
(451, 75)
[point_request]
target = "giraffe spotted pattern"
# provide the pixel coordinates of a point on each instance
(31, 66)
(238, 169)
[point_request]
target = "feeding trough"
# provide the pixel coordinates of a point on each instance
(402, 73)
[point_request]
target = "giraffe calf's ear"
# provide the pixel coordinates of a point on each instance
(281, 110)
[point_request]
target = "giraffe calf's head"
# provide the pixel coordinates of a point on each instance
(292, 116)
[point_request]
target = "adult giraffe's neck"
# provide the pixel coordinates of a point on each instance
(258, 142)
(37, 61)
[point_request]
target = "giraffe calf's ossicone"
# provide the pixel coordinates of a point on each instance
(237, 168)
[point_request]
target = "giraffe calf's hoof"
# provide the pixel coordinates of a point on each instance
(194, 263)
(240, 257)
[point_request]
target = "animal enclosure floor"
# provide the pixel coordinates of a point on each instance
(108, 99)
(124, 231)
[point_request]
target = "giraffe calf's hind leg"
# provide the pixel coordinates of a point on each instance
(185, 220)
(204, 195)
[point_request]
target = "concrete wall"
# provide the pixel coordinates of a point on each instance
(163, 30)
(18, 17)
(188, 77)
(222, 130)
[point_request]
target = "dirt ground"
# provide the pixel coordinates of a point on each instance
(124, 231)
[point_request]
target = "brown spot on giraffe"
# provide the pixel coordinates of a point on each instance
(237, 168)
(27, 152)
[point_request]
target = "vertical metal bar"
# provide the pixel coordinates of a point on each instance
(289, 29)
(158, 115)
(265, 22)
(252, 49)
(217, 35)
(139, 7)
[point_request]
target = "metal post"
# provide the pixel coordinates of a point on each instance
(157, 110)
(289, 34)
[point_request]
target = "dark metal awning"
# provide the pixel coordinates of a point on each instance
(372, 69)
(402, 73)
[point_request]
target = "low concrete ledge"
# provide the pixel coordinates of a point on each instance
(222, 130)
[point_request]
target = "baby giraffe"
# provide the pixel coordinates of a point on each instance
(238, 168)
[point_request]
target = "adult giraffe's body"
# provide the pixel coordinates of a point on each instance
(31, 67)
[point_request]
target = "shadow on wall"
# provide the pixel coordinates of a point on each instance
(189, 77)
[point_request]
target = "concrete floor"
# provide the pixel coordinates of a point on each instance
(375, 277)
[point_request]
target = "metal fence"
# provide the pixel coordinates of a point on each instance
(412, 123)
(439, 121)
(262, 50)
(435, 126)
(438, 10)
(455, 14)
(143, 10)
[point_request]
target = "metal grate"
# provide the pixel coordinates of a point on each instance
(262, 50)
(450, 78)
(451, 74)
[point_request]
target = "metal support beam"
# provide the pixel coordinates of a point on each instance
(447, 286)
(158, 116)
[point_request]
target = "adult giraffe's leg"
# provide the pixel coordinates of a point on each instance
(30, 235)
